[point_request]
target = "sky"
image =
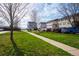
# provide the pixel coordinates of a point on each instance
(45, 12)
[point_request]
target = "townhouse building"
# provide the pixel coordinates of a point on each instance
(42, 26)
(62, 25)
(59, 25)
(32, 25)
(52, 25)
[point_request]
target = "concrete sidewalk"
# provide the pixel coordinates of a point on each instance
(69, 49)
(2, 32)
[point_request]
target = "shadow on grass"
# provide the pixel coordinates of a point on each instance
(17, 51)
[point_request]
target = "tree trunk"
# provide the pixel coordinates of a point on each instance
(11, 26)
(11, 32)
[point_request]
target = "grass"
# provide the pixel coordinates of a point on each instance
(26, 44)
(69, 39)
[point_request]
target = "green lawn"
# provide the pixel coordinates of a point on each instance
(69, 39)
(26, 44)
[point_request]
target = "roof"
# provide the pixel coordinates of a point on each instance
(42, 22)
(31, 22)
(63, 18)
(52, 20)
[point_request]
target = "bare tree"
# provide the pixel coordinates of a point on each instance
(1, 22)
(12, 13)
(70, 10)
(33, 15)
(34, 18)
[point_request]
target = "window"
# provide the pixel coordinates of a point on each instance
(68, 23)
(60, 23)
(64, 23)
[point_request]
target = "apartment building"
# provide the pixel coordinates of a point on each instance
(52, 25)
(42, 26)
(32, 25)
(59, 25)
(62, 25)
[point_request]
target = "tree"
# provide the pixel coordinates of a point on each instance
(34, 15)
(12, 13)
(34, 18)
(70, 10)
(1, 23)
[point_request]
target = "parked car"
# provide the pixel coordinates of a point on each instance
(70, 30)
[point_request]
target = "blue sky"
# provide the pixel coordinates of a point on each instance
(45, 12)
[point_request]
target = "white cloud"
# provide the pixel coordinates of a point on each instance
(49, 12)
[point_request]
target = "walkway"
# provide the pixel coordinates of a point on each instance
(2, 32)
(69, 49)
